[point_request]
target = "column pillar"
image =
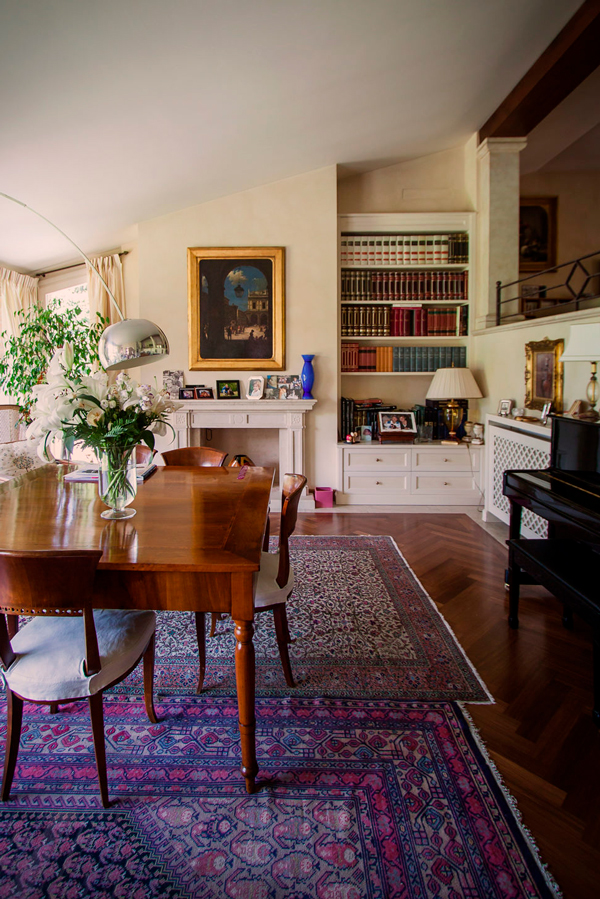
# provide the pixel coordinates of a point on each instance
(497, 221)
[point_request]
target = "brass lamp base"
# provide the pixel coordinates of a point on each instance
(451, 417)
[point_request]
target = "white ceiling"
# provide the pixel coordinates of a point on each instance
(117, 111)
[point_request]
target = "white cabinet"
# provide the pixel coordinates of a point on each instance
(411, 474)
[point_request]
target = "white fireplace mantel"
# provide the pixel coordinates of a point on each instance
(288, 417)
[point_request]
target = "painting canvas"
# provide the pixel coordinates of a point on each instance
(537, 233)
(236, 308)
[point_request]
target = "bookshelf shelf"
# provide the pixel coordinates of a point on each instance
(395, 374)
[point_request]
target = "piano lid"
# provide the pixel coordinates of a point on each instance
(575, 445)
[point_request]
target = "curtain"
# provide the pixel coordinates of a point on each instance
(111, 269)
(16, 292)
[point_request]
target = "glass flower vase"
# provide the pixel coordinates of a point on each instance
(117, 481)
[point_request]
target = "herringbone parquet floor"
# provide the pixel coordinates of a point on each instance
(540, 731)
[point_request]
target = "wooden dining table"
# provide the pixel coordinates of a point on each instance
(194, 545)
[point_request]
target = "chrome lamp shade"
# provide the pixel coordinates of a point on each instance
(131, 342)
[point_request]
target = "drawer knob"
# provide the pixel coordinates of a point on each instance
(446, 484)
(378, 483)
(379, 460)
(446, 460)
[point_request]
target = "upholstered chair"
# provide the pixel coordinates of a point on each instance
(67, 651)
(275, 580)
(205, 457)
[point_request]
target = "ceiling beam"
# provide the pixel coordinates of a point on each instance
(565, 63)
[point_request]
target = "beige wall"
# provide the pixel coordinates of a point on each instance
(298, 213)
(441, 182)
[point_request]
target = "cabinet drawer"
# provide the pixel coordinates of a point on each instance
(374, 483)
(445, 460)
(375, 460)
(453, 483)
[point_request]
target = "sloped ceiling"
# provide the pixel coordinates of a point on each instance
(118, 111)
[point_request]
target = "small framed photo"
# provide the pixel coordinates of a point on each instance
(187, 393)
(204, 393)
(505, 407)
(256, 386)
(289, 387)
(228, 390)
(173, 383)
(397, 421)
(366, 433)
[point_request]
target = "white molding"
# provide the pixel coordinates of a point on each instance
(285, 416)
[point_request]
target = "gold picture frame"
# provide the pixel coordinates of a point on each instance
(537, 233)
(236, 308)
(544, 374)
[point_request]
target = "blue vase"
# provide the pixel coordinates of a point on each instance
(307, 376)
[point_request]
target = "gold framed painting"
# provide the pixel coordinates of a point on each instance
(544, 374)
(236, 308)
(537, 233)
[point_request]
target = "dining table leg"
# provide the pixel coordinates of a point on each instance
(244, 676)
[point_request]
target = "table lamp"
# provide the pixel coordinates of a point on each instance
(453, 384)
(583, 345)
(128, 343)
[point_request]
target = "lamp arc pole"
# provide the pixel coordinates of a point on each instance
(127, 343)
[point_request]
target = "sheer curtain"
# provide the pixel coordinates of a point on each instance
(16, 292)
(111, 269)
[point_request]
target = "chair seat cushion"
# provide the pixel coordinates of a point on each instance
(268, 592)
(51, 652)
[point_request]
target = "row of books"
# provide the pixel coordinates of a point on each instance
(404, 249)
(398, 321)
(401, 286)
(401, 358)
(355, 414)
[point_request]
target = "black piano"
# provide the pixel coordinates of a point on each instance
(567, 562)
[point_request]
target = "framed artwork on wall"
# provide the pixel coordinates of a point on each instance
(236, 308)
(544, 374)
(537, 233)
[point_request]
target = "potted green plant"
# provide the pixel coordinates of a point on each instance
(41, 331)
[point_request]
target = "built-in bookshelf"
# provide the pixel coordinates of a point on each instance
(404, 292)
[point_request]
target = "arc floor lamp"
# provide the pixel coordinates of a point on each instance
(129, 342)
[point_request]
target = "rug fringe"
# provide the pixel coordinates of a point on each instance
(512, 802)
(483, 685)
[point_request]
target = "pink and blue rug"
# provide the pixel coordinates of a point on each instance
(362, 623)
(360, 797)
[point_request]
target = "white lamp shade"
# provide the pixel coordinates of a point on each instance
(583, 344)
(453, 384)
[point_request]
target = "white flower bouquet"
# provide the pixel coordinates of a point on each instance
(112, 419)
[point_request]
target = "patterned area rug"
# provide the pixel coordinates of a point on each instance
(358, 800)
(363, 626)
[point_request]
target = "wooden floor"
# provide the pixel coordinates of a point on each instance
(540, 731)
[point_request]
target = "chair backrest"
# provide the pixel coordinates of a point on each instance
(293, 485)
(49, 582)
(143, 454)
(203, 456)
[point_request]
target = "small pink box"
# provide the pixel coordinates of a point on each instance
(324, 497)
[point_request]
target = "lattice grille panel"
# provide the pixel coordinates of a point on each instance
(510, 454)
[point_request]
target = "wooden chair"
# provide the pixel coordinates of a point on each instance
(204, 456)
(275, 581)
(143, 454)
(67, 652)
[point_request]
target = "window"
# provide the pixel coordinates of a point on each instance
(69, 298)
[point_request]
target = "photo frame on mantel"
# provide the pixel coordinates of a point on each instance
(236, 308)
